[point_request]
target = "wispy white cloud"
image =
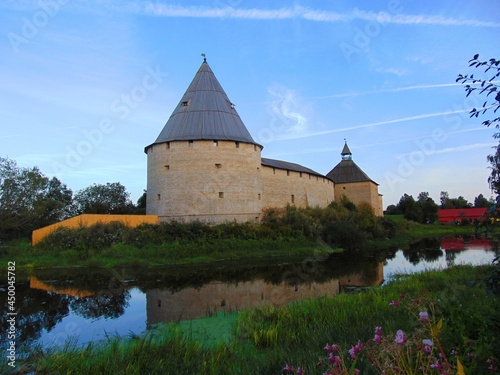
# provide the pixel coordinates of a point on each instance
(315, 15)
(395, 71)
(317, 150)
(289, 112)
(389, 90)
(369, 125)
(461, 148)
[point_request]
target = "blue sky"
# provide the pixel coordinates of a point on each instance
(86, 85)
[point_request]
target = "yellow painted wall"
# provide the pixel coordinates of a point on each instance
(86, 220)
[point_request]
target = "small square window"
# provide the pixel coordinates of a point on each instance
(185, 103)
(167, 167)
(237, 144)
(218, 166)
(191, 143)
(158, 197)
(221, 194)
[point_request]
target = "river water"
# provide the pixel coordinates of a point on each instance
(88, 304)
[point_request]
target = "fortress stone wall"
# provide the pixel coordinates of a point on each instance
(282, 187)
(361, 192)
(206, 180)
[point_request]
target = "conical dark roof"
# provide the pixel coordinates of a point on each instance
(204, 112)
(347, 170)
(345, 150)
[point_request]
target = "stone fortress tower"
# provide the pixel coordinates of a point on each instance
(355, 184)
(206, 166)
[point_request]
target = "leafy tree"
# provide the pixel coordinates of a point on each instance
(111, 198)
(410, 209)
(447, 202)
(29, 200)
(423, 210)
(486, 86)
(428, 207)
(141, 204)
(392, 209)
(481, 201)
(494, 179)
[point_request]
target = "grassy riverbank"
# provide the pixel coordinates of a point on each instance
(192, 245)
(193, 252)
(264, 340)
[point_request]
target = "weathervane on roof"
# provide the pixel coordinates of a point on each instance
(204, 57)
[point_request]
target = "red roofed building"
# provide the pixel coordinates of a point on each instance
(457, 214)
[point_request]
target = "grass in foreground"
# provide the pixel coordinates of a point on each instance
(263, 340)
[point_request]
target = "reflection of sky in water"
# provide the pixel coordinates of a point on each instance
(132, 321)
(82, 330)
(399, 264)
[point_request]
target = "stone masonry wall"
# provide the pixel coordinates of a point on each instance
(210, 181)
(359, 192)
(282, 187)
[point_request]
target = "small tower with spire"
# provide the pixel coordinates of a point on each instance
(351, 181)
(346, 153)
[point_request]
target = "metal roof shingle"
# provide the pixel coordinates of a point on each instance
(204, 112)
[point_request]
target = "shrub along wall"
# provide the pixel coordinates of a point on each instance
(86, 220)
(339, 225)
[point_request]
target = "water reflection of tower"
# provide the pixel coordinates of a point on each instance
(163, 306)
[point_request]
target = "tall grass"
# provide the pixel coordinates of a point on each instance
(262, 340)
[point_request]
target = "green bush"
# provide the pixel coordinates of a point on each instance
(340, 225)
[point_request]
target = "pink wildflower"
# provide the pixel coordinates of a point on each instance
(394, 303)
(400, 337)
(287, 368)
(437, 366)
(378, 335)
(423, 317)
(427, 345)
(300, 371)
(491, 363)
(355, 350)
(328, 348)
